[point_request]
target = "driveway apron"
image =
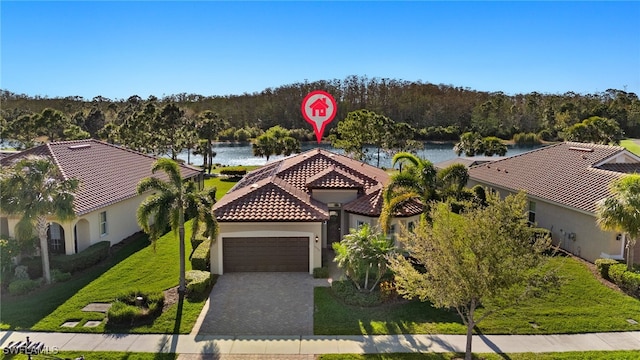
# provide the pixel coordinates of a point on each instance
(261, 304)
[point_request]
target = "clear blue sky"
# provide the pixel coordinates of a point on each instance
(119, 49)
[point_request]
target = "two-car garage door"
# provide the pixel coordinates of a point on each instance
(289, 254)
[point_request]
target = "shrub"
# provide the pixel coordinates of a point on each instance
(126, 309)
(21, 273)
(195, 242)
(235, 171)
(388, 291)
(631, 283)
(321, 272)
(19, 287)
(59, 276)
(197, 281)
(346, 291)
(616, 271)
(200, 259)
(8, 249)
(526, 139)
(82, 260)
(34, 267)
(603, 267)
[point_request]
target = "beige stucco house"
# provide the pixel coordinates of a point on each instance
(285, 215)
(106, 203)
(564, 182)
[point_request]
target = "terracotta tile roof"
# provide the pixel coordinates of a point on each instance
(371, 205)
(107, 173)
(269, 200)
(281, 191)
(334, 178)
(564, 173)
(467, 161)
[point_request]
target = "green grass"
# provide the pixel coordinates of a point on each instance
(581, 305)
(145, 270)
(102, 355)
(631, 145)
(22, 312)
(572, 355)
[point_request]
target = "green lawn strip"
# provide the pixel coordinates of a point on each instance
(22, 312)
(102, 355)
(631, 145)
(222, 185)
(147, 271)
(581, 305)
(572, 355)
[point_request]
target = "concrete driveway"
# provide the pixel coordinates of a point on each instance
(260, 304)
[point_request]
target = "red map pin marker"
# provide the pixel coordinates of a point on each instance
(319, 108)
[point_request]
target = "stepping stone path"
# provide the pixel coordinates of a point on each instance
(91, 323)
(70, 324)
(97, 307)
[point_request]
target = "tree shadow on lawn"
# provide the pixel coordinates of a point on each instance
(23, 312)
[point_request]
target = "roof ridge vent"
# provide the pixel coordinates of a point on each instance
(81, 146)
(577, 148)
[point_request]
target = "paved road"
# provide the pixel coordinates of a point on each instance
(225, 347)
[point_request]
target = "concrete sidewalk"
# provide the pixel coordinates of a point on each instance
(316, 344)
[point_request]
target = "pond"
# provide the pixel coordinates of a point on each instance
(241, 153)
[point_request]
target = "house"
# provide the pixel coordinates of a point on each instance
(319, 107)
(563, 183)
(106, 203)
(467, 161)
(285, 215)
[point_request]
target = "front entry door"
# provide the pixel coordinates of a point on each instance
(333, 229)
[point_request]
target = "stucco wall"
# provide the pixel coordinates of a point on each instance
(271, 229)
(121, 223)
(342, 196)
(590, 242)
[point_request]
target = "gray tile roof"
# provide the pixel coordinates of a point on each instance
(575, 175)
(107, 173)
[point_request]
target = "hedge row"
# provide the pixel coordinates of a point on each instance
(628, 281)
(82, 260)
(237, 171)
(197, 281)
(200, 259)
(603, 266)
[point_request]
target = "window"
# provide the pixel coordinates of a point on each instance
(532, 212)
(360, 224)
(103, 223)
(392, 232)
(56, 241)
(411, 225)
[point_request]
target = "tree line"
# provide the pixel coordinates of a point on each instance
(436, 112)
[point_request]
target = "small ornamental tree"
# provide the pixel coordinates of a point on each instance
(621, 211)
(486, 257)
(363, 254)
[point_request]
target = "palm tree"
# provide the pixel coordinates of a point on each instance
(416, 181)
(198, 208)
(166, 205)
(35, 188)
(621, 211)
(452, 179)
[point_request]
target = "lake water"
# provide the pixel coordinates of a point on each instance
(241, 153)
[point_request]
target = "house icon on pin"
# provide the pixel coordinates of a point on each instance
(319, 107)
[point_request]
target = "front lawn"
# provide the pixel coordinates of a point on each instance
(631, 145)
(582, 305)
(145, 270)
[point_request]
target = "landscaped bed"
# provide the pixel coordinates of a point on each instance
(145, 270)
(573, 355)
(581, 305)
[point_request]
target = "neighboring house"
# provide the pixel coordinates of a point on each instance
(563, 183)
(467, 161)
(283, 216)
(106, 203)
